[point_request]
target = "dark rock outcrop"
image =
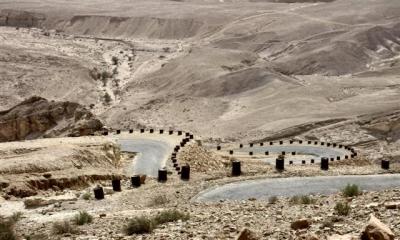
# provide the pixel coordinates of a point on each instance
(37, 117)
(16, 18)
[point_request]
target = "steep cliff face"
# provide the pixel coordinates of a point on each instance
(37, 117)
(15, 18)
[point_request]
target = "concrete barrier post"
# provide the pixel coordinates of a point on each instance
(98, 193)
(151, 130)
(162, 175)
(118, 131)
(185, 172)
(385, 164)
(171, 132)
(161, 131)
(116, 184)
(236, 168)
(280, 164)
(324, 164)
(130, 130)
(135, 180)
(142, 130)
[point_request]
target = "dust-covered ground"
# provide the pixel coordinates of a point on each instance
(229, 71)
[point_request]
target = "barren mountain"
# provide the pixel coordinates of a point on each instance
(230, 69)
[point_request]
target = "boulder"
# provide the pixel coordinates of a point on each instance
(301, 224)
(376, 230)
(37, 117)
(142, 179)
(392, 205)
(246, 234)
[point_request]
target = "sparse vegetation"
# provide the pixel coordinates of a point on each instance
(83, 218)
(7, 229)
(107, 98)
(342, 209)
(304, 199)
(63, 228)
(86, 196)
(143, 224)
(158, 200)
(272, 200)
(171, 215)
(114, 60)
(94, 73)
(15, 217)
(351, 190)
(139, 225)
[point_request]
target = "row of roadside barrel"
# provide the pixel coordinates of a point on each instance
(138, 180)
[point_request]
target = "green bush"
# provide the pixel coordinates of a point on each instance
(170, 216)
(7, 229)
(351, 190)
(63, 228)
(83, 218)
(139, 225)
(342, 209)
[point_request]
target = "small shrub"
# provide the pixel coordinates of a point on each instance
(114, 60)
(304, 199)
(87, 196)
(7, 230)
(15, 217)
(272, 200)
(351, 190)
(83, 218)
(158, 200)
(63, 228)
(170, 216)
(105, 75)
(294, 200)
(139, 225)
(107, 98)
(342, 209)
(307, 200)
(94, 73)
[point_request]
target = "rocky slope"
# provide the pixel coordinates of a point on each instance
(37, 117)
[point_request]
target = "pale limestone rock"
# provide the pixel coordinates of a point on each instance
(376, 230)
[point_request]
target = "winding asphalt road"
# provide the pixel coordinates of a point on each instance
(152, 155)
(265, 188)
